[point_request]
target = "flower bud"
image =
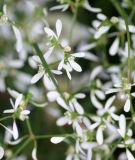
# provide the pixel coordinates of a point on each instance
(67, 49)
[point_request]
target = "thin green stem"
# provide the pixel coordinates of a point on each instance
(56, 135)
(29, 128)
(5, 118)
(124, 16)
(47, 69)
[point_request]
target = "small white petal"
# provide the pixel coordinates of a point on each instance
(87, 47)
(57, 140)
(114, 47)
(58, 27)
(114, 116)
(49, 52)
(133, 94)
(131, 28)
(90, 56)
(5, 9)
(109, 102)
(40, 105)
(11, 101)
(100, 94)
(69, 157)
(49, 32)
(95, 102)
(68, 73)
(52, 96)
(16, 63)
(121, 145)
(127, 105)
(9, 111)
(62, 103)
(78, 129)
(78, 107)
(48, 83)
(37, 77)
(34, 154)
(86, 122)
(15, 131)
(102, 30)
(75, 66)
(62, 121)
(129, 155)
(80, 95)
(57, 72)
(2, 85)
(101, 16)
(95, 24)
(63, 7)
(1, 152)
(99, 135)
(91, 9)
(36, 59)
(60, 66)
(25, 112)
(68, 67)
(112, 90)
(18, 100)
(18, 36)
(79, 55)
(89, 154)
(95, 72)
(122, 125)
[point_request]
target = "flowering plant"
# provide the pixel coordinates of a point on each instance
(67, 78)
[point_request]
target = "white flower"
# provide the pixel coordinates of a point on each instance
(73, 103)
(35, 61)
(74, 113)
(51, 33)
(68, 62)
(16, 105)
(123, 87)
(103, 119)
(21, 113)
(19, 101)
(54, 37)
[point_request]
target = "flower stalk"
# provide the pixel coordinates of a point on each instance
(47, 69)
(124, 16)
